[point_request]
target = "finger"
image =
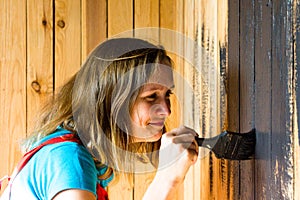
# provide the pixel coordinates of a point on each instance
(194, 147)
(193, 152)
(185, 138)
(182, 130)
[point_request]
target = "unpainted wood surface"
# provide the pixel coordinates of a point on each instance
(12, 82)
(250, 46)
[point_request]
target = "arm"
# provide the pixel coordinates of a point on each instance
(178, 152)
(75, 194)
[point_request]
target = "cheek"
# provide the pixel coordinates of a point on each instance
(140, 114)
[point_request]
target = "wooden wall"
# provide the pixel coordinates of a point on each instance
(263, 47)
(244, 74)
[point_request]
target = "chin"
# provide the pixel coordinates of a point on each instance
(152, 138)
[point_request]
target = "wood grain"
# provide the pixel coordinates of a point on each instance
(170, 20)
(255, 43)
(232, 87)
(12, 82)
(296, 122)
(263, 98)
(246, 91)
(119, 16)
(67, 40)
(94, 25)
(146, 15)
(282, 141)
(39, 57)
(188, 114)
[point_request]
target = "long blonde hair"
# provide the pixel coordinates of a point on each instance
(96, 101)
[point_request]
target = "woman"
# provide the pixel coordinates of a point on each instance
(116, 106)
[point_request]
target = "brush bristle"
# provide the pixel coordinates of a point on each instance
(235, 146)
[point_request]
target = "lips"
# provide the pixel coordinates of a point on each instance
(160, 123)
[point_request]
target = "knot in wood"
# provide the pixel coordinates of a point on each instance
(61, 23)
(44, 22)
(36, 86)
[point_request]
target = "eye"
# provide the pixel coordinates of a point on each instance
(168, 94)
(151, 97)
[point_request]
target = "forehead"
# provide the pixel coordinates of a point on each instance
(154, 86)
(161, 77)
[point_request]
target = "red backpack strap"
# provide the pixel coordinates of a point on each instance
(68, 137)
(101, 193)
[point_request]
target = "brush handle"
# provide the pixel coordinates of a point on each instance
(199, 141)
(207, 142)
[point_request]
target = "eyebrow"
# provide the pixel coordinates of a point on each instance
(158, 87)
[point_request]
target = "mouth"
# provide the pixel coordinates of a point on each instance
(159, 124)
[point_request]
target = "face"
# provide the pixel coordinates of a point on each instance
(152, 106)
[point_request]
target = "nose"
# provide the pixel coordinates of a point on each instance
(162, 108)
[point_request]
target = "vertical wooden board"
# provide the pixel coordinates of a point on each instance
(119, 20)
(188, 86)
(12, 82)
(39, 56)
(202, 169)
(67, 39)
(263, 98)
(146, 20)
(122, 189)
(212, 22)
(222, 63)
(232, 86)
(211, 93)
(144, 174)
(296, 51)
(170, 18)
(171, 21)
(281, 156)
(120, 16)
(246, 91)
(199, 175)
(94, 25)
(146, 15)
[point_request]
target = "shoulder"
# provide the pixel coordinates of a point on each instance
(64, 166)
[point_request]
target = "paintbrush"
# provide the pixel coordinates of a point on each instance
(231, 145)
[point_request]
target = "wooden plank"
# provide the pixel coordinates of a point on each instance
(12, 82)
(263, 98)
(39, 56)
(296, 122)
(188, 87)
(202, 168)
(120, 17)
(281, 157)
(146, 20)
(211, 96)
(199, 175)
(233, 88)
(122, 189)
(67, 40)
(144, 174)
(246, 80)
(171, 21)
(146, 15)
(119, 20)
(94, 25)
(222, 65)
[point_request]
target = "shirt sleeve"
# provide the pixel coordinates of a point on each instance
(64, 166)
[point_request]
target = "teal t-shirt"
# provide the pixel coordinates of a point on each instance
(54, 168)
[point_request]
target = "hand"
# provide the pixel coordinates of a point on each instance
(178, 152)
